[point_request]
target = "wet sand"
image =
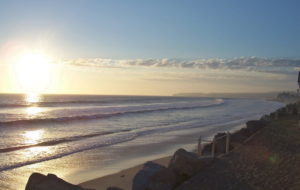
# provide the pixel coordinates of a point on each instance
(122, 179)
(267, 160)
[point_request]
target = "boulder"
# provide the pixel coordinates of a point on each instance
(282, 112)
(266, 118)
(154, 177)
(220, 146)
(292, 109)
(186, 164)
(206, 150)
(295, 111)
(255, 125)
(238, 136)
(251, 127)
(273, 115)
(39, 181)
(113, 188)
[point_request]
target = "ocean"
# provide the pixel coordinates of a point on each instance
(80, 137)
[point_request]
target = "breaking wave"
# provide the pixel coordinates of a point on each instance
(105, 112)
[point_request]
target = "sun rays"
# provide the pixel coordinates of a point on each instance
(33, 72)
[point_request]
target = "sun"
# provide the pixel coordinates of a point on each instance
(33, 72)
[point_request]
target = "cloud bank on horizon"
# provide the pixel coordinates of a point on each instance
(123, 32)
(282, 66)
(243, 74)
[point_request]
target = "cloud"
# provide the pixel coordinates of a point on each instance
(255, 64)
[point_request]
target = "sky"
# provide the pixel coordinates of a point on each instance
(157, 47)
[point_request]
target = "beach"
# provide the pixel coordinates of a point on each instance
(106, 93)
(122, 179)
(268, 159)
(80, 138)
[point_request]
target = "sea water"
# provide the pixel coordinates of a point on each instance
(81, 137)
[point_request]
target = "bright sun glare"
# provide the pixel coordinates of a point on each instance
(32, 137)
(33, 72)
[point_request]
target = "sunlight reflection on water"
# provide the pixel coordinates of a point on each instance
(32, 98)
(32, 137)
(33, 111)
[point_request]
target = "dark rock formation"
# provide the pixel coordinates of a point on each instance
(265, 118)
(154, 177)
(238, 136)
(292, 109)
(255, 125)
(113, 188)
(251, 127)
(39, 181)
(206, 150)
(282, 112)
(186, 164)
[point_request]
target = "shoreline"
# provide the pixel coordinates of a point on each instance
(151, 155)
(112, 178)
(120, 173)
(122, 179)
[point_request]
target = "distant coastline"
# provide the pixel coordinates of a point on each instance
(285, 97)
(266, 95)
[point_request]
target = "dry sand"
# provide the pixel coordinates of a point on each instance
(268, 160)
(122, 179)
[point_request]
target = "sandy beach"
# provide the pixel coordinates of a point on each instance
(122, 179)
(268, 159)
(98, 147)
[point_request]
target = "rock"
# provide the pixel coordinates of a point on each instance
(295, 111)
(292, 109)
(251, 127)
(206, 150)
(273, 115)
(220, 146)
(154, 177)
(186, 164)
(282, 112)
(113, 188)
(39, 181)
(238, 136)
(266, 118)
(256, 124)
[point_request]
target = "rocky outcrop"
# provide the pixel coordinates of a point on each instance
(251, 127)
(256, 124)
(39, 181)
(113, 188)
(238, 136)
(282, 112)
(292, 109)
(154, 177)
(266, 118)
(186, 164)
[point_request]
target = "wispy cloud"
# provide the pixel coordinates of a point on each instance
(265, 65)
